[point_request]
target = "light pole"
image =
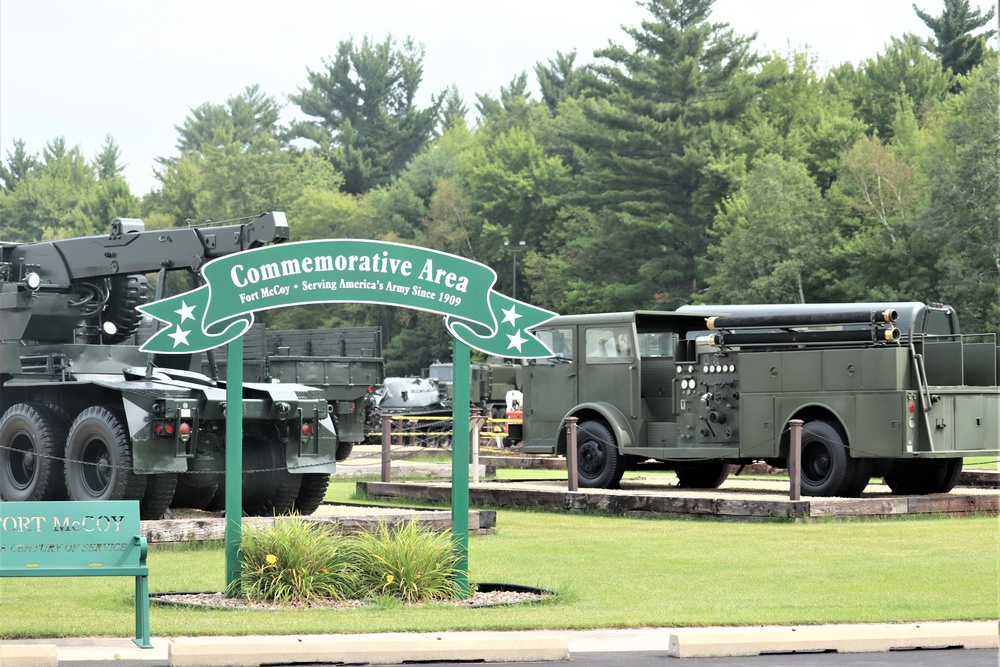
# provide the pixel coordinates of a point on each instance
(513, 250)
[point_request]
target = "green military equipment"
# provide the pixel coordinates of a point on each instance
(86, 415)
(889, 389)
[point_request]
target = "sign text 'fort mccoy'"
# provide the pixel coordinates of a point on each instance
(346, 271)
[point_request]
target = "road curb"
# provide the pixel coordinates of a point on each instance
(385, 649)
(734, 642)
(29, 655)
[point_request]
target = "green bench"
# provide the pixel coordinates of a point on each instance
(78, 539)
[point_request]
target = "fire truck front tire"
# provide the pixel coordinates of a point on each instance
(32, 442)
(99, 458)
(599, 463)
(826, 465)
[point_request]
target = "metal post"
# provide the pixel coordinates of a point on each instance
(514, 249)
(795, 459)
(571, 453)
(386, 448)
(234, 466)
(461, 364)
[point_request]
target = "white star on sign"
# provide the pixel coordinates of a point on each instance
(180, 336)
(186, 312)
(516, 340)
(510, 316)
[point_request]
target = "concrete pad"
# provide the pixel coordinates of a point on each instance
(374, 649)
(875, 638)
(29, 655)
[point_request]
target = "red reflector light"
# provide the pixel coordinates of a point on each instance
(307, 429)
(185, 428)
(371, 390)
(352, 406)
(169, 428)
(913, 407)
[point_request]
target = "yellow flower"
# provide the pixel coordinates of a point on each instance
(389, 578)
(271, 559)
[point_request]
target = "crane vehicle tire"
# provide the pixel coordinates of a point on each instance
(827, 468)
(344, 450)
(99, 458)
(32, 442)
(160, 488)
(599, 463)
(311, 492)
(706, 475)
(270, 489)
(195, 491)
(127, 293)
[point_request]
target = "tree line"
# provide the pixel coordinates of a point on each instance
(681, 166)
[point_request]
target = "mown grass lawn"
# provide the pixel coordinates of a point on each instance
(608, 571)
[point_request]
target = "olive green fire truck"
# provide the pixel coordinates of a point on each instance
(891, 390)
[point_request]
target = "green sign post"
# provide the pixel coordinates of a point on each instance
(345, 271)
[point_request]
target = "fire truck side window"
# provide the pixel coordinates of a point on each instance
(608, 345)
(560, 341)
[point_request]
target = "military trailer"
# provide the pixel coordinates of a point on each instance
(346, 363)
(890, 390)
(84, 415)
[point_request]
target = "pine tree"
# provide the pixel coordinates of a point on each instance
(954, 43)
(654, 115)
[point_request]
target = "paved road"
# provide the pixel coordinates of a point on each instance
(920, 658)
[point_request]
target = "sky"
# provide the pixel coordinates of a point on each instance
(84, 69)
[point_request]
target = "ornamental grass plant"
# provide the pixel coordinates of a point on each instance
(301, 562)
(294, 560)
(408, 562)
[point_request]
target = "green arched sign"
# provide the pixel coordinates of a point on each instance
(346, 271)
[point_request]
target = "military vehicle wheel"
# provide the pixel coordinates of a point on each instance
(344, 450)
(32, 442)
(195, 491)
(127, 292)
(271, 489)
(160, 488)
(862, 475)
(923, 477)
(827, 467)
(708, 475)
(99, 458)
(311, 493)
(599, 464)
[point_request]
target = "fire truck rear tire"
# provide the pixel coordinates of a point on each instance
(99, 458)
(827, 467)
(32, 442)
(923, 477)
(599, 464)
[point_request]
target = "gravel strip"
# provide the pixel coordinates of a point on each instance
(218, 600)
